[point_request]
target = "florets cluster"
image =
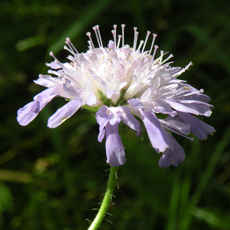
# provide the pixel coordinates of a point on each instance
(122, 84)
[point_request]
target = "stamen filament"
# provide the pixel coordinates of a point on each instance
(123, 34)
(154, 37)
(146, 39)
(91, 41)
(95, 28)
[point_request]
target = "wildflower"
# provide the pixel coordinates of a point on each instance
(124, 84)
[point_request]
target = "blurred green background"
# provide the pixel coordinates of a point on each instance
(51, 179)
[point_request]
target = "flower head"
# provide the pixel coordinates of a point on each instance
(122, 84)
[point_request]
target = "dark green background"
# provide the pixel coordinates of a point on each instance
(51, 179)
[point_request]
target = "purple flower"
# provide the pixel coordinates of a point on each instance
(120, 83)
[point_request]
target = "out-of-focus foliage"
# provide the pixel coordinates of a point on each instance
(51, 179)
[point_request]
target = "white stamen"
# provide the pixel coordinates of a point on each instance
(141, 43)
(123, 34)
(154, 37)
(114, 37)
(135, 39)
(170, 56)
(67, 76)
(91, 41)
(119, 41)
(146, 39)
(161, 57)
(183, 70)
(90, 46)
(71, 46)
(98, 36)
(154, 53)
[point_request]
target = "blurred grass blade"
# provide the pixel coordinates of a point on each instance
(6, 200)
(202, 36)
(186, 220)
(79, 24)
(214, 219)
(30, 42)
(173, 207)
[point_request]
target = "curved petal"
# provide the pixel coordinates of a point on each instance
(135, 103)
(102, 120)
(174, 155)
(166, 159)
(48, 81)
(157, 136)
(32, 109)
(176, 125)
(64, 113)
(130, 120)
(114, 148)
(190, 106)
(198, 127)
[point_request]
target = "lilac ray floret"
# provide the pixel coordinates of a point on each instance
(31, 110)
(114, 148)
(194, 107)
(64, 113)
(108, 120)
(198, 127)
(157, 136)
(172, 156)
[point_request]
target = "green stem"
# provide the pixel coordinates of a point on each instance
(106, 200)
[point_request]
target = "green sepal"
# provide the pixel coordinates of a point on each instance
(90, 109)
(104, 99)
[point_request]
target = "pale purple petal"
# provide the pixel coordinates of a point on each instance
(91, 99)
(162, 107)
(135, 103)
(166, 159)
(157, 136)
(130, 120)
(31, 110)
(110, 92)
(178, 154)
(174, 155)
(173, 124)
(64, 113)
(48, 81)
(198, 127)
(114, 148)
(102, 120)
(28, 113)
(195, 107)
(54, 65)
(114, 115)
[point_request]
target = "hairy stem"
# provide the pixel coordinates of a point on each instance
(106, 200)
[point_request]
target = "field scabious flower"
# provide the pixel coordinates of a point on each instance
(124, 84)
